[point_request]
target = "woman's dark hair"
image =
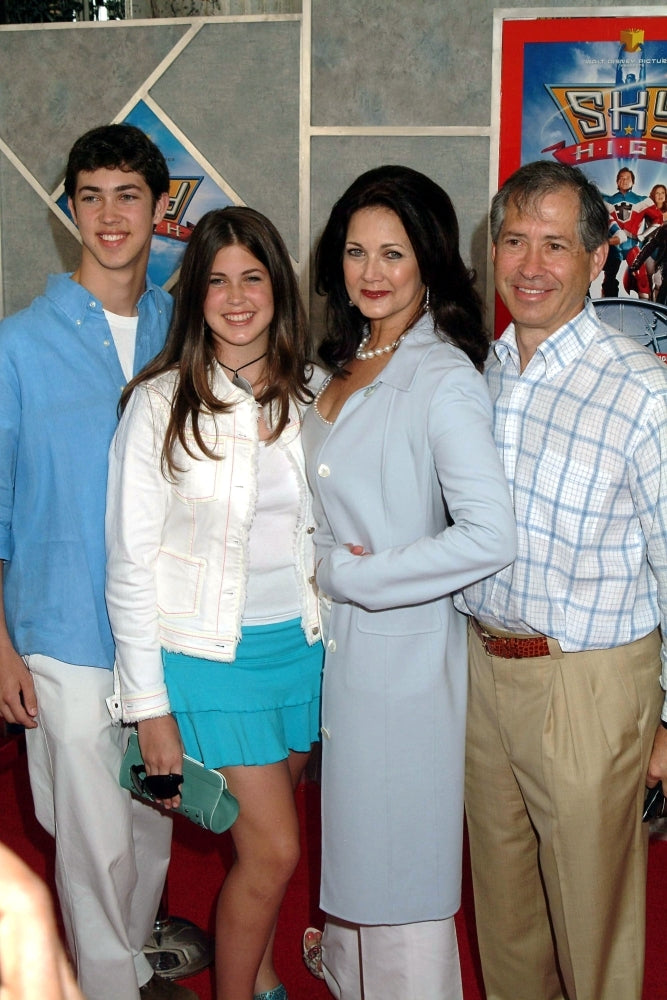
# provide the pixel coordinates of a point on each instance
(189, 346)
(429, 220)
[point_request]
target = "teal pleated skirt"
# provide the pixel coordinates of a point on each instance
(254, 710)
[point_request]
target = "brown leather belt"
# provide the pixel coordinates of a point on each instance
(511, 647)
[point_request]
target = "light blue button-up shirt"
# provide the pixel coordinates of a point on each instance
(582, 433)
(60, 381)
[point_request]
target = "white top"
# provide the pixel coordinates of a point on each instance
(272, 594)
(124, 333)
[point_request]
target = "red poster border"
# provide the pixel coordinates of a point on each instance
(516, 32)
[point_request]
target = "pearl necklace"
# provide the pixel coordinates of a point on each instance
(363, 355)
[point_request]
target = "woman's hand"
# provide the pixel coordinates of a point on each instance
(162, 749)
(357, 550)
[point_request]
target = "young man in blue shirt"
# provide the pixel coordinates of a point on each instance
(63, 363)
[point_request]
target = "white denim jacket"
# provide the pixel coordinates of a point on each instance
(177, 551)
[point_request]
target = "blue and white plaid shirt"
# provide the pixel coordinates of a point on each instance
(582, 432)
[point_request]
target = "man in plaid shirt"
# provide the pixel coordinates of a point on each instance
(564, 725)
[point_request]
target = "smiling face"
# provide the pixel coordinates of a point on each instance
(659, 195)
(115, 214)
(380, 269)
(624, 180)
(238, 306)
(542, 270)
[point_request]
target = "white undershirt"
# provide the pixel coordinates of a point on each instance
(272, 594)
(124, 332)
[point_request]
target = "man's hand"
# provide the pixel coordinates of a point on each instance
(18, 701)
(657, 765)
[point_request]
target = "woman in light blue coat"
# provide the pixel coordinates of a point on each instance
(411, 504)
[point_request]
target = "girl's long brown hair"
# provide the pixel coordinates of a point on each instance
(189, 346)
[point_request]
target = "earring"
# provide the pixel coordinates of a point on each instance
(350, 302)
(427, 299)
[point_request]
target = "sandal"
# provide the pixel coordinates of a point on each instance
(277, 993)
(312, 951)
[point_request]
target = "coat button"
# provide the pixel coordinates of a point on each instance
(310, 530)
(331, 645)
(325, 733)
(323, 470)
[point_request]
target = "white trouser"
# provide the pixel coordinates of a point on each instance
(112, 852)
(417, 961)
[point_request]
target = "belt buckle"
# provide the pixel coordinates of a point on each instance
(484, 636)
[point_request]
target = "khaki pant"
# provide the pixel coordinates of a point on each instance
(557, 751)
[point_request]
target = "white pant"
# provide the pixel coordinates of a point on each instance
(112, 852)
(392, 962)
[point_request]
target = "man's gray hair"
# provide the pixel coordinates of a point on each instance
(526, 187)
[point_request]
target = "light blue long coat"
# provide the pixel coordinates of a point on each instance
(395, 678)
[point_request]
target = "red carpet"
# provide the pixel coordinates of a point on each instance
(198, 865)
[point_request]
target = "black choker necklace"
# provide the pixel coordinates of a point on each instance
(238, 380)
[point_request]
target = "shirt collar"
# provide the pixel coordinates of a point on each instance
(557, 351)
(76, 301)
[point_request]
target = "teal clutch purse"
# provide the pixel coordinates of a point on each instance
(205, 798)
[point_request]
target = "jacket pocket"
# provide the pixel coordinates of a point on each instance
(414, 620)
(197, 482)
(180, 581)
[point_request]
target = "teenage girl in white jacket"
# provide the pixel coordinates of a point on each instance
(210, 582)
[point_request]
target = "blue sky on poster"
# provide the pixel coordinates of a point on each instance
(580, 65)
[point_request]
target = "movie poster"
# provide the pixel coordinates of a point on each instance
(592, 91)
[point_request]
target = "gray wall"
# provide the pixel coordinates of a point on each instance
(238, 90)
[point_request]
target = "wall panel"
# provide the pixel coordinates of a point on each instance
(286, 107)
